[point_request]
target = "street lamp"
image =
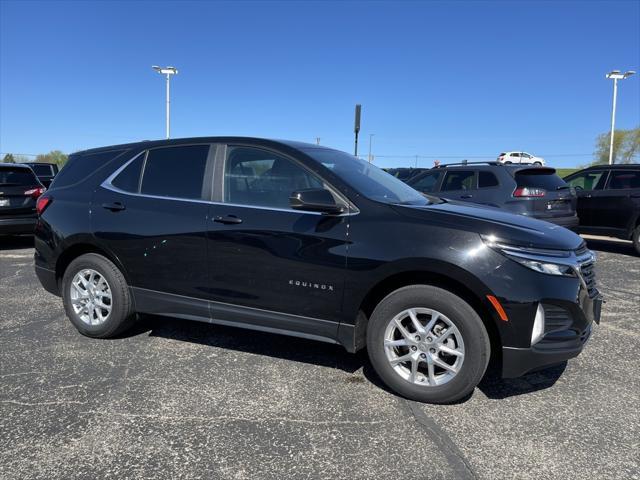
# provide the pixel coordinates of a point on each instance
(371, 135)
(615, 75)
(168, 71)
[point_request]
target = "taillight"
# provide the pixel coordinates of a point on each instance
(529, 192)
(42, 204)
(35, 192)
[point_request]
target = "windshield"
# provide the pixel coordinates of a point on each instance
(41, 169)
(367, 179)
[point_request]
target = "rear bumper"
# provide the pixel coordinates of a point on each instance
(570, 222)
(48, 280)
(19, 225)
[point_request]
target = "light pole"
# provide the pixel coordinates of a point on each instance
(371, 135)
(167, 71)
(615, 75)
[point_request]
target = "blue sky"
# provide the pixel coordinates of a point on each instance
(450, 80)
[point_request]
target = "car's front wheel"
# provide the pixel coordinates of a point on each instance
(636, 239)
(428, 344)
(96, 297)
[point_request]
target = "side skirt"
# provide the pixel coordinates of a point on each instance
(189, 308)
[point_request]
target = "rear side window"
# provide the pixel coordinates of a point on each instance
(79, 167)
(459, 180)
(426, 182)
(487, 179)
(175, 171)
(17, 176)
(539, 178)
(623, 179)
(129, 178)
(588, 180)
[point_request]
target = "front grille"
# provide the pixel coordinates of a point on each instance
(588, 272)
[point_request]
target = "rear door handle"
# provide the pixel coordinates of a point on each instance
(114, 207)
(466, 196)
(228, 220)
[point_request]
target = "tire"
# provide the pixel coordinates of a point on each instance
(121, 314)
(636, 239)
(426, 385)
(507, 162)
(538, 164)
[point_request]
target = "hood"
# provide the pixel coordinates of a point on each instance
(506, 227)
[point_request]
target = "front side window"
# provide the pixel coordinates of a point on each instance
(588, 180)
(624, 179)
(253, 176)
(426, 183)
(459, 180)
(175, 171)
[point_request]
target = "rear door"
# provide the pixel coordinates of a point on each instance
(151, 214)
(19, 189)
(588, 185)
(459, 185)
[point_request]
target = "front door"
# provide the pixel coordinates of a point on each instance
(588, 185)
(263, 255)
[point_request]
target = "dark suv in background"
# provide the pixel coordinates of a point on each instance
(609, 201)
(298, 239)
(19, 192)
(525, 190)
(44, 171)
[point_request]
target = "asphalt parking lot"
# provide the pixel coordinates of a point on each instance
(178, 399)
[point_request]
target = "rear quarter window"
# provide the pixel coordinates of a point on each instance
(80, 166)
(538, 178)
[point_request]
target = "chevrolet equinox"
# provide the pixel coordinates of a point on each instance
(303, 240)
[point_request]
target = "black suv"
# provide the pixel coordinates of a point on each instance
(19, 192)
(403, 173)
(526, 190)
(609, 201)
(303, 240)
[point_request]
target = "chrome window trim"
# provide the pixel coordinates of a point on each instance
(109, 186)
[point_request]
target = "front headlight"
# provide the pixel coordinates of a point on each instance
(550, 262)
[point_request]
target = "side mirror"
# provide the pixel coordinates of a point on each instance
(315, 200)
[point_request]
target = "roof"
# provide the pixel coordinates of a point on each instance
(615, 165)
(13, 165)
(181, 141)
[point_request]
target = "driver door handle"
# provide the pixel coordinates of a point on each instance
(114, 207)
(228, 220)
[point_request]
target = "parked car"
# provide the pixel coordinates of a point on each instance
(536, 192)
(303, 240)
(44, 171)
(520, 157)
(404, 174)
(609, 201)
(19, 191)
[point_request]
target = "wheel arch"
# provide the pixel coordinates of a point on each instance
(70, 253)
(467, 289)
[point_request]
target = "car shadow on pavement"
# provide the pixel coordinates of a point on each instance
(16, 242)
(249, 341)
(318, 353)
(495, 387)
(611, 246)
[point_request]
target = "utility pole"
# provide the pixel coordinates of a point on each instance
(167, 71)
(615, 75)
(416, 161)
(317, 140)
(356, 127)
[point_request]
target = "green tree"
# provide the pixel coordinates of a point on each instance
(54, 156)
(626, 146)
(8, 158)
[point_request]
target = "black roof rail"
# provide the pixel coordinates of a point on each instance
(469, 163)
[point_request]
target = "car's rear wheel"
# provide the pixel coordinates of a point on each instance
(96, 297)
(636, 239)
(537, 163)
(428, 344)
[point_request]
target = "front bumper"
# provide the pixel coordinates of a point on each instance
(18, 225)
(567, 330)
